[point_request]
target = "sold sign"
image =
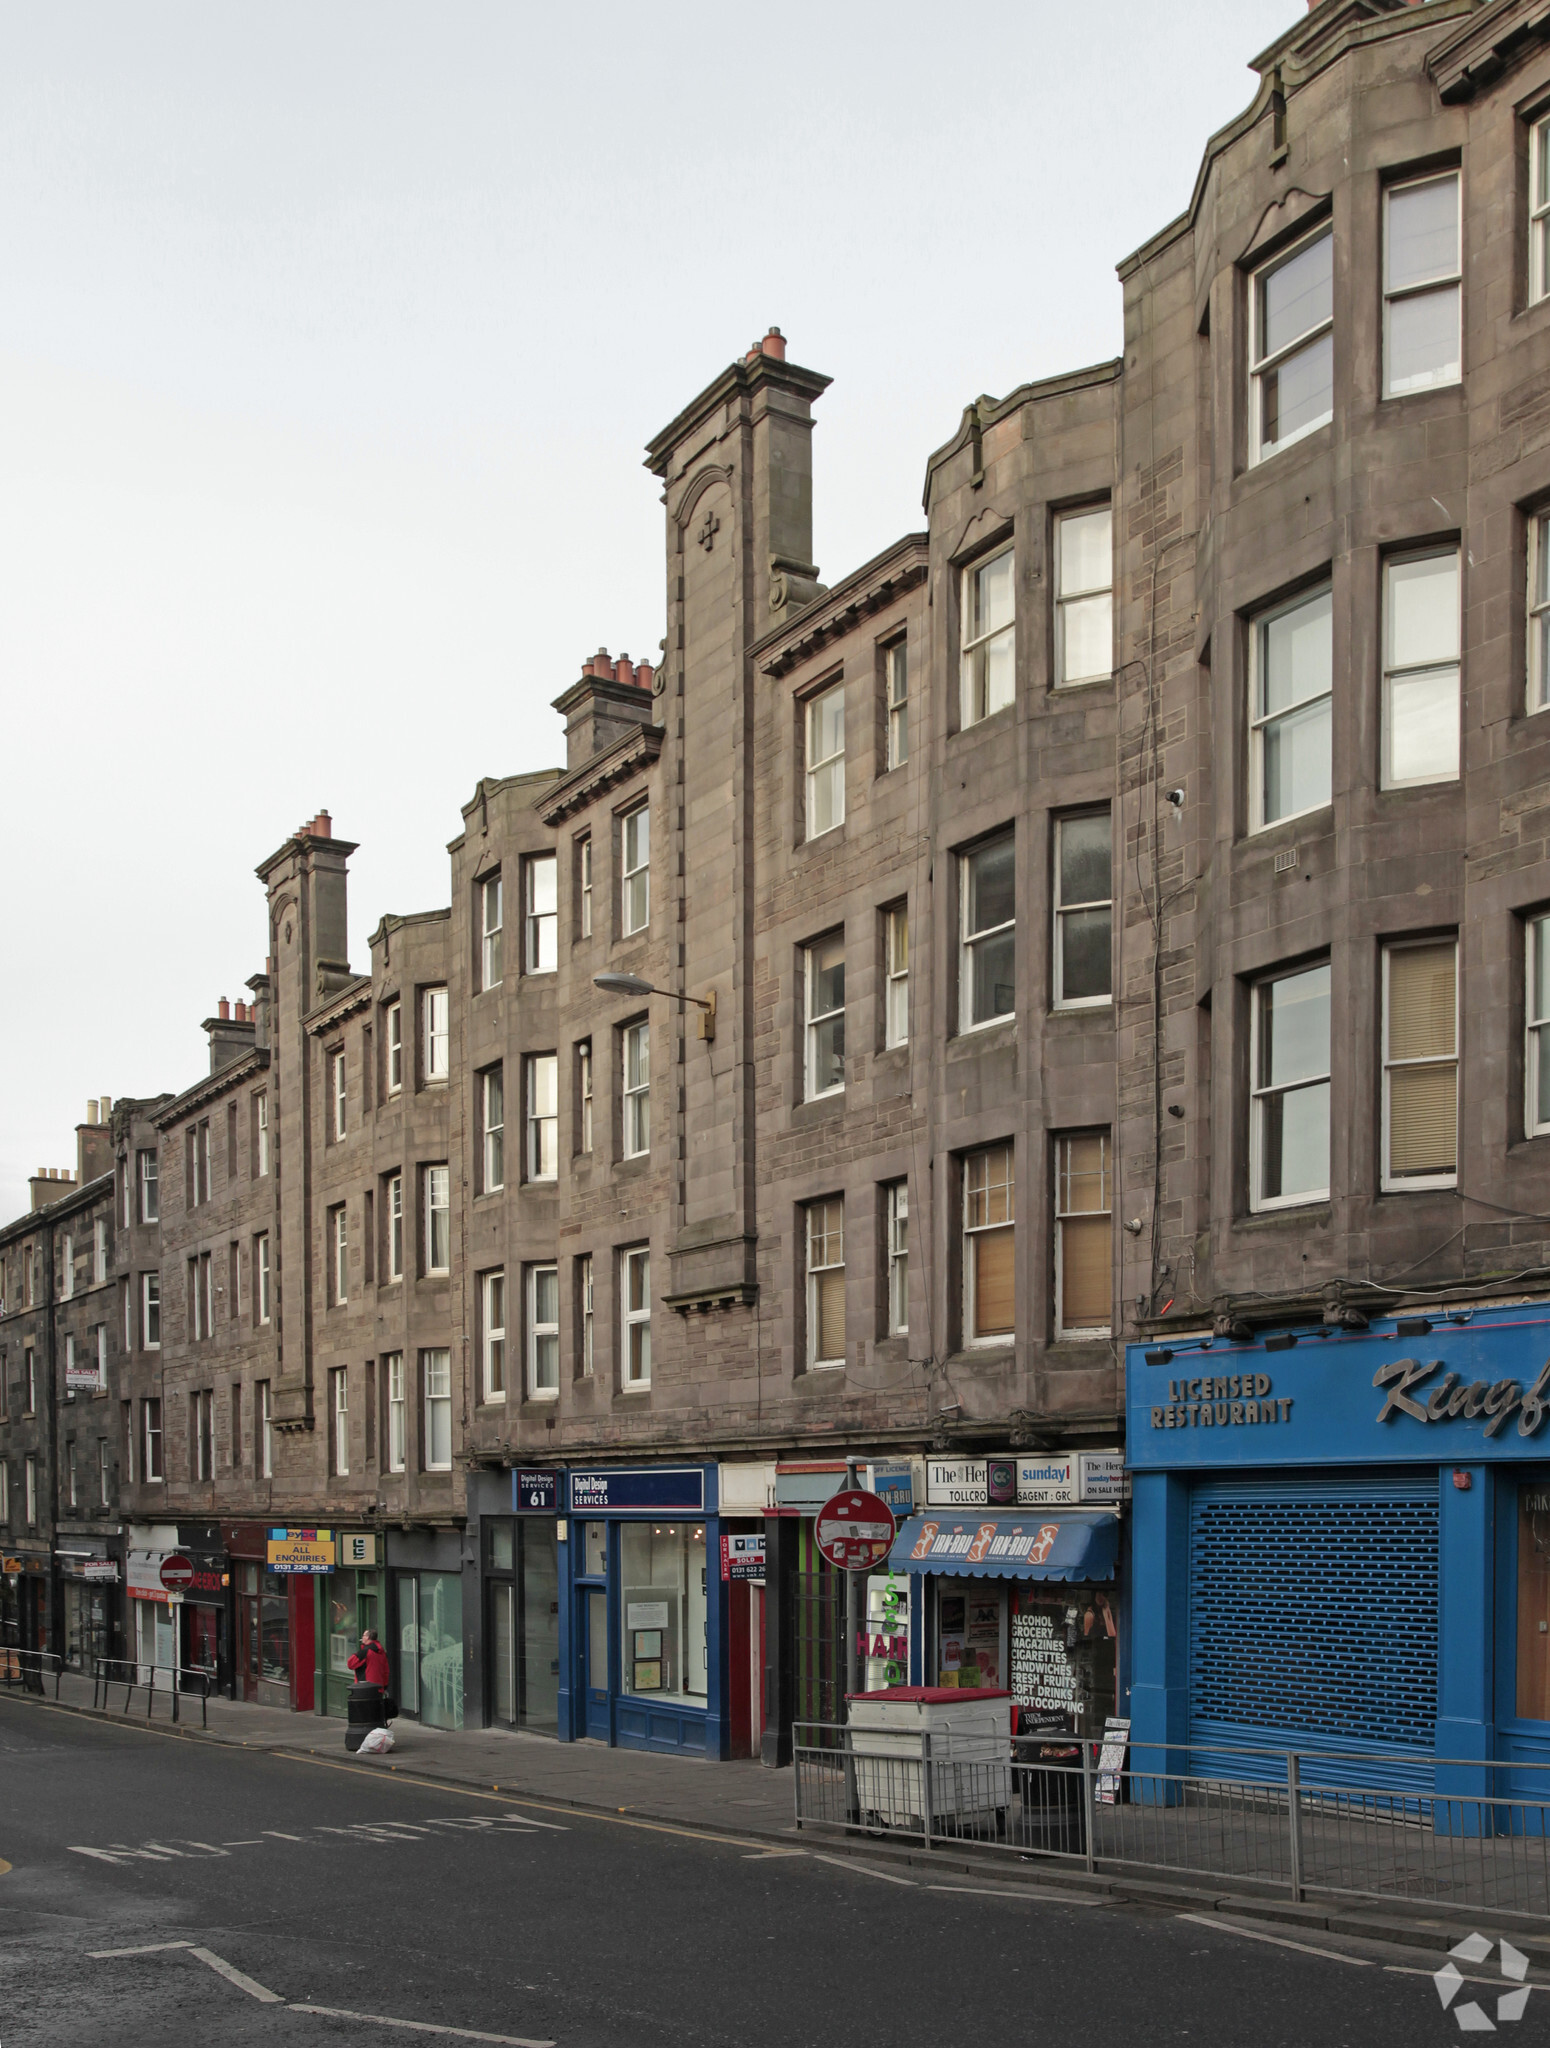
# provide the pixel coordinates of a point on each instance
(855, 1531)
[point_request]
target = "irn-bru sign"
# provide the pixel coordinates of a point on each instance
(301, 1550)
(946, 1543)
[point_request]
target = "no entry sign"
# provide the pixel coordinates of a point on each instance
(177, 1572)
(855, 1531)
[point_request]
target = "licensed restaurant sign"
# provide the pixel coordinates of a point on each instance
(301, 1551)
(1417, 1389)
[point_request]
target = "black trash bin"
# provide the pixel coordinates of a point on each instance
(365, 1713)
(1051, 1787)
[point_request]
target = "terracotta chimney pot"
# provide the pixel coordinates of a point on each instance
(774, 344)
(223, 1010)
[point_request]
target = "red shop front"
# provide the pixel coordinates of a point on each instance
(276, 1624)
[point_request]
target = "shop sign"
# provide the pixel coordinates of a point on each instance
(1012, 1542)
(10, 1566)
(176, 1572)
(892, 1480)
(1101, 1475)
(1042, 1480)
(805, 1486)
(298, 1551)
(535, 1493)
(1046, 1482)
(855, 1531)
(359, 1551)
(644, 1489)
(742, 1557)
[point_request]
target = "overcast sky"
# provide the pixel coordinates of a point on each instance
(330, 338)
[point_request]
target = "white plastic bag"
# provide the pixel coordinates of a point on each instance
(377, 1743)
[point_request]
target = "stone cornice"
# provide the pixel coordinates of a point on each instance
(213, 1087)
(985, 411)
(356, 997)
(603, 772)
(736, 379)
(1487, 47)
(840, 610)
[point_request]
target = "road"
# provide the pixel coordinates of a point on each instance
(256, 1887)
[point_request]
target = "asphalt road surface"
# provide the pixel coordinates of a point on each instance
(163, 1891)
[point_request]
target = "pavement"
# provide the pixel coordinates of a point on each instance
(158, 1888)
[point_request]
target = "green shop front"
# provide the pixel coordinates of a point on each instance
(351, 1598)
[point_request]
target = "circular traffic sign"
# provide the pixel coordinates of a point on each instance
(177, 1572)
(855, 1531)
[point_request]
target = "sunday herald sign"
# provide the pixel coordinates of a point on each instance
(1457, 1392)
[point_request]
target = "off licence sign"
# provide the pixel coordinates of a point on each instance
(855, 1531)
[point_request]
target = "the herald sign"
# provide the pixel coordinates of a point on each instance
(177, 1572)
(855, 1531)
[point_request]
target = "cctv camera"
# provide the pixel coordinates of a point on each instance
(1176, 798)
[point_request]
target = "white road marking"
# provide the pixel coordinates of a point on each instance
(281, 1836)
(1044, 1897)
(495, 1820)
(208, 1846)
(151, 1948)
(119, 1853)
(377, 2019)
(1414, 1970)
(764, 1855)
(1332, 1955)
(862, 1869)
(234, 1976)
(248, 1842)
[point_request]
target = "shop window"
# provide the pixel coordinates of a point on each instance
(826, 1282)
(989, 1244)
(663, 1599)
(1289, 1061)
(1084, 1236)
(1420, 1065)
(1533, 1697)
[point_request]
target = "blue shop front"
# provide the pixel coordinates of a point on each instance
(1341, 1540)
(644, 1648)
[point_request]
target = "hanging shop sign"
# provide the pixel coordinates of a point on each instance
(359, 1551)
(535, 1493)
(892, 1480)
(855, 1531)
(644, 1489)
(301, 1551)
(742, 1558)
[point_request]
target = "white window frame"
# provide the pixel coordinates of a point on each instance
(261, 1295)
(896, 698)
(151, 1441)
(265, 1429)
(1260, 365)
(540, 927)
(339, 1407)
(102, 1355)
(968, 941)
(1539, 209)
(5, 1494)
(974, 646)
(397, 1413)
(1064, 1213)
(635, 869)
(492, 1336)
(150, 1311)
(100, 1252)
(1393, 673)
(1065, 598)
(542, 1332)
(104, 1478)
(261, 1123)
(437, 1180)
(71, 1501)
(584, 1084)
(824, 772)
(436, 1378)
(30, 1380)
(584, 864)
(996, 1339)
(150, 1187)
(1536, 1113)
(821, 1241)
(814, 1020)
(636, 1097)
(67, 1267)
(1260, 722)
(394, 1029)
(1063, 910)
(1410, 1183)
(30, 1497)
(1538, 664)
(491, 963)
(1261, 1094)
(896, 975)
(395, 1224)
(632, 1358)
(542, 1161)
(1444, 281)
(339, 1246)
(337, 1092)
(435, 1039)
(586, 1302)
(492, 1117)
(896, 1222)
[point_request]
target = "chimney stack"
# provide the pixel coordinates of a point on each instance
(223, 1010)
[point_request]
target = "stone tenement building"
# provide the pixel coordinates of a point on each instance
(1122, 904)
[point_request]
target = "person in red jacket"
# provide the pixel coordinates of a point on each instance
(370, 1662)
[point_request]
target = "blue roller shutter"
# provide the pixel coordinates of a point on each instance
(1313, 1617)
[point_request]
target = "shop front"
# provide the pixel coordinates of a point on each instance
(349, 1602)
(647, 1610)
(272, 1570)
(24, 1596)
(428, 1650)
(1341, 1541)
(522, 1634)
(91, 1597)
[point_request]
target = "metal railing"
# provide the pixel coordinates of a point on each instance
(28, 1670)
(181, 1681)
(1460, 1832)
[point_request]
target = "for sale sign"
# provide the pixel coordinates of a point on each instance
(855, 1531)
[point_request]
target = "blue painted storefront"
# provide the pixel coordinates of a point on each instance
(596, 1508)
(1325, 1540)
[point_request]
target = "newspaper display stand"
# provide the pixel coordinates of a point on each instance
(931, 1751)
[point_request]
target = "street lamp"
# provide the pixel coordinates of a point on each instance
(637, 985)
